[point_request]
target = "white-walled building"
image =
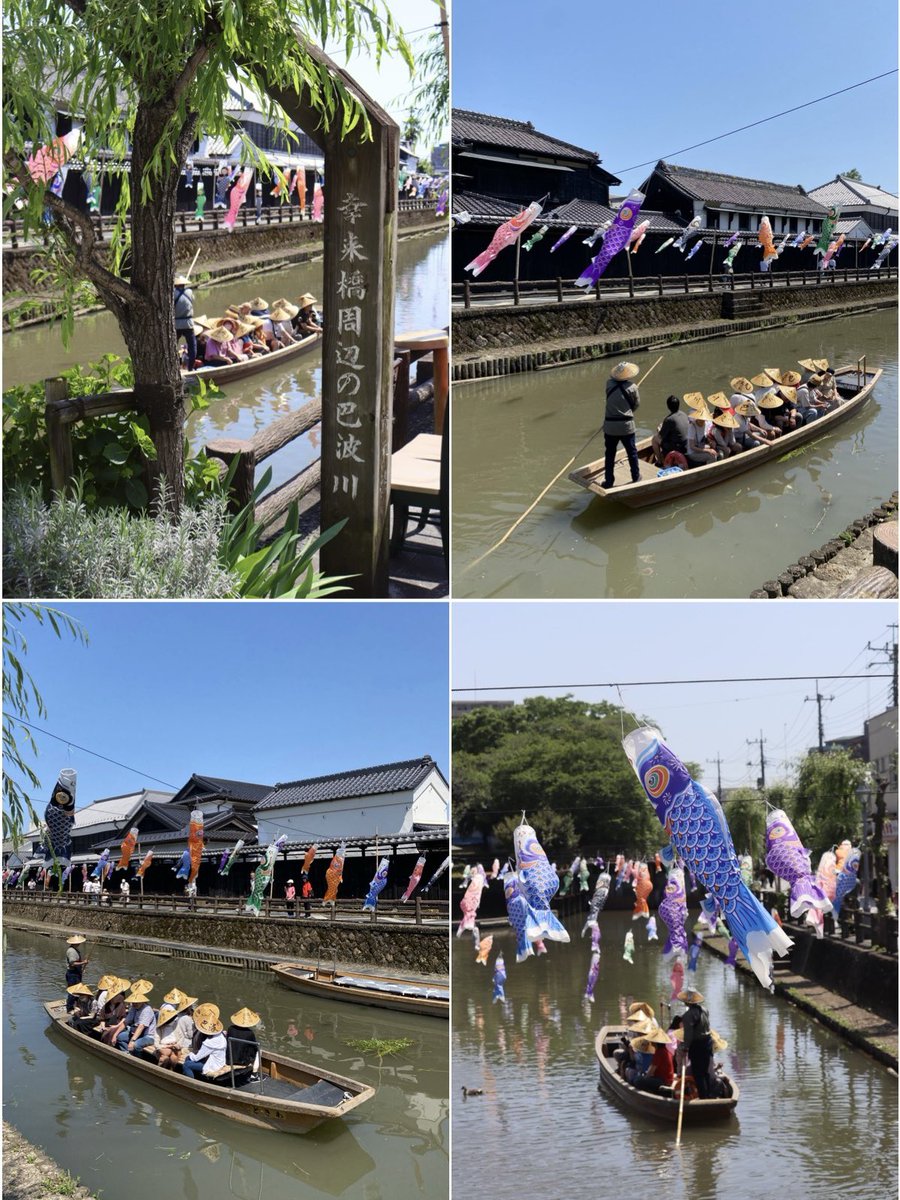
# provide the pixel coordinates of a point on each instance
(392, 798)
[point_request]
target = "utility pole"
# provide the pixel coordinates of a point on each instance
(718, 761)
(890, 652)
(760, 741)
(819, 700)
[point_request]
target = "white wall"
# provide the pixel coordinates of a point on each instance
(362, 816)
(431, 805)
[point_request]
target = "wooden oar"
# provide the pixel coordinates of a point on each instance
(187, 273)
(534, 505)
(681, 1102)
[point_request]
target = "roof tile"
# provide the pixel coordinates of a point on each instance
(369, 781)
(491, 130)
(748, 195)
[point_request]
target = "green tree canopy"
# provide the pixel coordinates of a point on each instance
(745, 811)
(826, 808)
(852, 174)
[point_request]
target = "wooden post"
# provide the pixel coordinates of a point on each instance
(559, 292)
(630, 274)
(58, 436)
(467, 293)
(242, 481)
(712, 259)
(400, 430)
(516, 277)
(441, 384)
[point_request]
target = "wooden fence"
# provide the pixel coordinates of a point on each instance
(415, 912)
(471, 292)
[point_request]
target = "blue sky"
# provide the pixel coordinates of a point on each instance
(497, 643)
(262, 692)
(638, 83)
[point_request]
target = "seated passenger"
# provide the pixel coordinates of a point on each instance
(255, 341)
(699, 448)
(282, 315)
(307, 320)
(82, 1009)
(661, 1072)
(260, 308)
(828, 390)
(140, 1023)
(223, 345)
(672, 433)
(746, 434)
(803, 402)
(209, 1056)
(814, 385)
(112, 1014)
(722, 434)
(243, 1048)
(175, 1028)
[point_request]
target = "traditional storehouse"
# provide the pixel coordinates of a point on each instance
(863, 205)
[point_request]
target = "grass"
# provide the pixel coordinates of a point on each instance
(61, 1184)
(380, 1046)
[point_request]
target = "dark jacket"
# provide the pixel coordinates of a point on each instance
(622, 398)
(695, 1024)
(673, 433)
(242, 1046)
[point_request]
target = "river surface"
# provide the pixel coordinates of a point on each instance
(247, 405)
(512, 435)
(85, 1114)
(816, 1118)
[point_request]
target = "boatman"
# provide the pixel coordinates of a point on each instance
(697, 1039)
(75, 965)
(622, 398)
(184, 318)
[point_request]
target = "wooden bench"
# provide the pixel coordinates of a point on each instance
(420, 479)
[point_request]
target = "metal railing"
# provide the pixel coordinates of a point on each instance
(471, 293)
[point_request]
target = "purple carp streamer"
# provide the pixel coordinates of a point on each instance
(616, 239)
(504, 236)
(538, 880)
(696, 825)
(573, 229)
(787, 858)
(847, 879)
(499, 978)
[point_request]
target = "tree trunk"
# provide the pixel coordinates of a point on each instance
(149, 328)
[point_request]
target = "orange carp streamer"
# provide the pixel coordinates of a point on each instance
(145, 863)
(840, 855)
(766, 240)
(334, 875)
(484, 949)
(642, 889)
(308, 860)
(195, 843)
(127, 848)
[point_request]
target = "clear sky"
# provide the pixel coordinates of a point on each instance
(264, 692)
(639, 83)
(391, 83)
(505, 643)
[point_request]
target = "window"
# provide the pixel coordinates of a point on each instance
(792, 225)
(743, 221)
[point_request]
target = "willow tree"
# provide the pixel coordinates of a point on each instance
(147, 77)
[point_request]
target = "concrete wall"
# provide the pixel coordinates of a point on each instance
(419, 948)
(431, 805)
(480, 330)
(865, 977)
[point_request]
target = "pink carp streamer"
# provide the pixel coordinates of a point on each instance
(237, 197)
(46, 162)
(127, 849)
(195, 842)
(334, 874)
(616, 239)
(414, 878)
(504, 236)
(318, 207)
(470, 901)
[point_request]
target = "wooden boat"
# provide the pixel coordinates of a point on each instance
(651, 489)
(651, 1103)
(255, 365)
(378, 991)
(288, 1096)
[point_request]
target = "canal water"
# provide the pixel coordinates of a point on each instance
(512, 435)
(247, 405)
(816, 1118)
(85, 1115)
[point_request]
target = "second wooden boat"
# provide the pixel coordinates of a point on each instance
(287, 1095)
(255, 365)
(652, 488)
(377, 991)
(652, 1104)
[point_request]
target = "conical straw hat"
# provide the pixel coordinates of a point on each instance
(770, 400)
(718, 400)
(246, 1018)
(695, 400)
(727, 420)
(742, 385)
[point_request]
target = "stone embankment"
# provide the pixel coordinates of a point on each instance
(507, 340)
(848, 566)
(30, 1174)
(250, 942)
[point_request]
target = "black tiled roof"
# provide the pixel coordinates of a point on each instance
(369, 781)
(504, 133)
(734, 191)
(229, 789)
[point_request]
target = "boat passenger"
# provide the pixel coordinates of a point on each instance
(747, 435)
(113, 1013)
(805, 401)
(814, 385)
(697, 1039)
(828, 392)
(175, 1028)
(209, 1057)
(672, 433)
(661, 1072)
(75, 965)
(82, 998)
(184, 317)
(223, 345)
(307, 320)
(243, 1048)
(622, 400)
(260, 308)
(250, 343)
(140, 1023)
(722, 434)
(699, 451)
(282, 315)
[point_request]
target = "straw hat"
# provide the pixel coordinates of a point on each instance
(727, 420)
(240, 328)
(691, 996)
(208, 1021)
(246, 1018)
(773, 373)
(259, 303)
(761, 381)
(75, 940)
(718, 1042)
(641, 1026)
(253, 322)
(166, 1013)
(742, 385)
(624, 370)
(181, 281)
(105, 982)
(642, 1045)
(306, 300)
(791, 378)
(700, 414)
(290, 309)
(813, 364)
(770, 400)
(748, 408)
(198, 328)
(677, 1034)
(719, 400)
(118, 988)
(789, 394)
(816, 380)
(79, 989)
(278, 313)
(695, 400)
(177, 997)
(205, 1010)
(659, 1037)
(137, 997)
(143, 985)
(640, 1006)
(204, 321)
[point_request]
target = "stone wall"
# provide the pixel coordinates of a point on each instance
(418, 948)
(864, 977)
(480, 330)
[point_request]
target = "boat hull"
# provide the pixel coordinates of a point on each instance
(664, 1108)
(255, 365)
(243, 1106)
(313, 983)
(653, 490)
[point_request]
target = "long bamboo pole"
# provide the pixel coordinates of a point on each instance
(534, 505)
(681, 1101)
(190, 269)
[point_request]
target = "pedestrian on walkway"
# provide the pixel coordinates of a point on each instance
(290, 895)
(306, 892)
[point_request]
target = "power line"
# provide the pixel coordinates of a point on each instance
(785, 112)
(537, 687)
(85, 750)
